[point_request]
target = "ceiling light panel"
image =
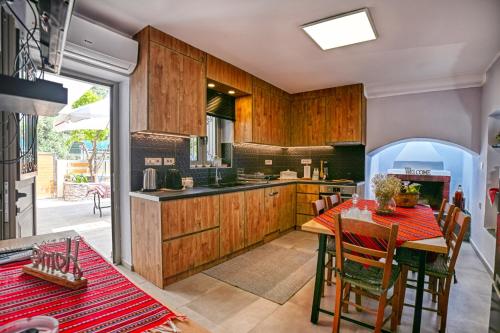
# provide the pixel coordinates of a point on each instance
(341, 30)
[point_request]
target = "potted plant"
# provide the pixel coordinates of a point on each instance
(385, 188)
(408, 195)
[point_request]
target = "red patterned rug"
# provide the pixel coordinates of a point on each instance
(110, 303)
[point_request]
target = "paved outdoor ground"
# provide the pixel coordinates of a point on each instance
(54, 215)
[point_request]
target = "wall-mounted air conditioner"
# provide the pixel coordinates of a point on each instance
(94, 45)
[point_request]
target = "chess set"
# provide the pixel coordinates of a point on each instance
(61, 268)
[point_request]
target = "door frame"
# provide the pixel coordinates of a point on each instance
(114, 158)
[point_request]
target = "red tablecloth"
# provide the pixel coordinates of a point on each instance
(110, 303)
(414, 223)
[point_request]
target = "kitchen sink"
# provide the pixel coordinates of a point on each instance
(228, 184)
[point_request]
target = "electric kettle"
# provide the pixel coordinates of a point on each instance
(149, 180)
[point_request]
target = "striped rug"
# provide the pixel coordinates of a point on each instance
(110, 303)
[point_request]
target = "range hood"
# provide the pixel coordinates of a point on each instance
(40, 97)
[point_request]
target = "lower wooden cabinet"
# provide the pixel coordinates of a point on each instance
(272, 205)
(287, 207)
(256, 223)
(232, 222)
(186, 253)
(306, 193)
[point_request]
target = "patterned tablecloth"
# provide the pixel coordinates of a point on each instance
(110, 303)
(414, 223)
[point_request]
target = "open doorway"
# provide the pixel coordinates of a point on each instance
(73, 185)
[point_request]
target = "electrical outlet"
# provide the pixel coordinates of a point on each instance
(306, 161)
(268, 162)
(169, 161)
(152, 161)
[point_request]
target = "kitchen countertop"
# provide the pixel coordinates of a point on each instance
(205, 190)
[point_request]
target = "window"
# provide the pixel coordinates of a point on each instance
(218, 144)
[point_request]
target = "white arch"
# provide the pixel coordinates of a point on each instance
(444, 142)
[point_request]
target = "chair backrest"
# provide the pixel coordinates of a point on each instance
(458, 227)
(446, 218)
(332, 200)
(362, 254)
(318, 207)
(441, 210)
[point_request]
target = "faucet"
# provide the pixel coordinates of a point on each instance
(217, 175)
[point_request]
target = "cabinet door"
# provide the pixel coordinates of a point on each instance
(308, 122)
(345, 115)
(261, 115)
(185, 216)
(256, 224)
(272, 208)
(287, 207)
(232, 222)
(304, 205)
(279, 113)
(164, 82)
(284, 121)
(185, 253)
(192, 113)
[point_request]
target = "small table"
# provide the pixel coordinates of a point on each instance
(435, 245)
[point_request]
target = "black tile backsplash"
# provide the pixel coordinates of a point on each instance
(343, 162)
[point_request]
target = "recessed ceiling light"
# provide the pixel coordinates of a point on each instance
(231, 92)
(211, 85)
(340, 30)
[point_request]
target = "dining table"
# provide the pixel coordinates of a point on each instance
(418, 230)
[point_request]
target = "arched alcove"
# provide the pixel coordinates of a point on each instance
(447, 162)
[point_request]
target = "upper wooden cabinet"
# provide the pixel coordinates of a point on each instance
(229, 75)
(329, 116)
(346, 115)
(264, 116)
(167, 88)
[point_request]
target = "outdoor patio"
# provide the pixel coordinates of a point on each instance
(54, 215)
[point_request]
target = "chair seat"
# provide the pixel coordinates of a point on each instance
(369, 278)
(438, 267)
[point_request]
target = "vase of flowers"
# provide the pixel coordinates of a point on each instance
(386, 188)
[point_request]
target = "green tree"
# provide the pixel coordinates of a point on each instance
(93, 136)
(50, 141)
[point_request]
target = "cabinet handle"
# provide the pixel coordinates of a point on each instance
(272, 194)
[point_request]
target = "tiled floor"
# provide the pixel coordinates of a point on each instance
(54, 215)
(222, 308)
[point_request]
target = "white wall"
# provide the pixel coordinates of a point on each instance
(452, 115)
(124, 134)
(489, 161)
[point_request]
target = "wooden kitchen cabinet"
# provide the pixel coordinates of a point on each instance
(255, 219)
(273, 208)
(287, 204)
(346, 115)
(186, 253)
(306, 193)
(229, 75)
(167, 88)
(264, 116)
(186, 216)
(175, 237)
(232, 222)
(308, 121)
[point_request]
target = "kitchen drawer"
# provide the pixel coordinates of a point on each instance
(185, 253)
(306, 198)
(304, 208)
(186, 216)
(301, 219)
(308, 188)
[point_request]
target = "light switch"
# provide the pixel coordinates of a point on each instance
(268, 162)
(306, 161)
(169, 161)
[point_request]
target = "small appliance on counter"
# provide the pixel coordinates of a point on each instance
(149, 180)
(173, 180)
(307, 171)
(288, 175)
(315, 174)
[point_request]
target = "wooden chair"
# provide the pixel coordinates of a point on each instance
(442, 269)
(444, 216)
(366, 271)
(319, 207)
(332, 200)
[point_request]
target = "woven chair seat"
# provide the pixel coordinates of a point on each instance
(438, 267)
(369, 278)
